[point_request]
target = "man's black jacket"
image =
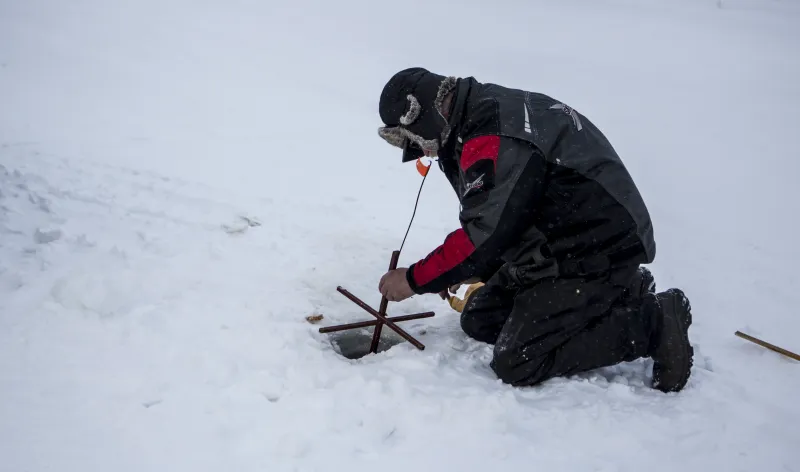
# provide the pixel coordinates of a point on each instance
(541, 189)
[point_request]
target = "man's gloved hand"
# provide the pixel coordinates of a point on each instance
(458, 304)
(394, 286)
(455, 288)
(446, 293)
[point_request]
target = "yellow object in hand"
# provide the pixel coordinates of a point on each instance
(457, 303)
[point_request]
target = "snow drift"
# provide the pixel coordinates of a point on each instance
(138, 333)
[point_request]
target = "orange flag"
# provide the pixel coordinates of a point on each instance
(422, 168)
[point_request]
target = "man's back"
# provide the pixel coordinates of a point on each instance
(589, 205)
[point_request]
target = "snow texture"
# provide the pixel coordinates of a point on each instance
(176, 198)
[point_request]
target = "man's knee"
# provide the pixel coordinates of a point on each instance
(480, 324)
(477, 327)
(518, 368)
(485, 313)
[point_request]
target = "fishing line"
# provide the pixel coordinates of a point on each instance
(415, 210)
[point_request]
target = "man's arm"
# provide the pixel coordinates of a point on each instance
(504, 184)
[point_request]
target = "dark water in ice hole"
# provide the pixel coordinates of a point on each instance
(354, 344)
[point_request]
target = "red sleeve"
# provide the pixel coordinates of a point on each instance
(456, 249)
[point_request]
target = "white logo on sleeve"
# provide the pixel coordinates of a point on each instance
(477, 183)
(527, 119)
(569, 111)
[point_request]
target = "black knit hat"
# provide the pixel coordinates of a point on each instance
(410, 107)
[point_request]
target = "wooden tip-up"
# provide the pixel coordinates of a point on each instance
(380, 315)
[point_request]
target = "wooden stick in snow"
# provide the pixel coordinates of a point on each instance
(769, 346)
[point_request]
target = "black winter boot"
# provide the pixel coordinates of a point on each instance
(640, 285)
(670, 348)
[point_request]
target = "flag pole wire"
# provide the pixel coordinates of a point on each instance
(415, 210)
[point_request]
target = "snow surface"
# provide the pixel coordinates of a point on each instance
(145, 326)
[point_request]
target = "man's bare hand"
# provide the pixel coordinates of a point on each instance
(394, 286)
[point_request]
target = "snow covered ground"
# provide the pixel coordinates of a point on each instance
(145, 326)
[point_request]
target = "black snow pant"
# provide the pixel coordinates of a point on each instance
(556, 327)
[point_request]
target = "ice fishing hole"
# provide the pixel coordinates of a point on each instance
(354, 344)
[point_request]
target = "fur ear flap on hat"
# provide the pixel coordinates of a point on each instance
(447, 86)
(393, 136)
(414, 109)
(396, 136)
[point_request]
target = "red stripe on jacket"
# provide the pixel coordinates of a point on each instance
(456, 248)
(482, 147)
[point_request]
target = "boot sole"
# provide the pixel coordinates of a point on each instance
(673, 306)
(648, 282)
